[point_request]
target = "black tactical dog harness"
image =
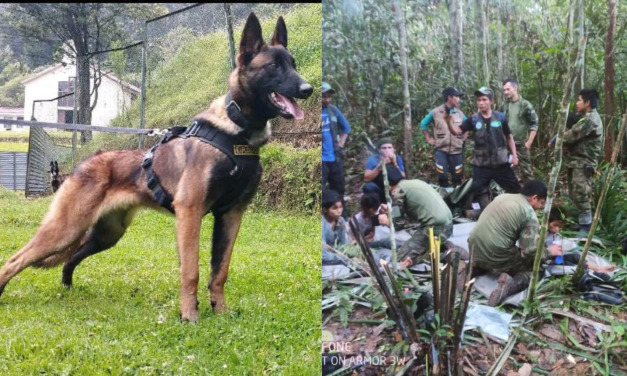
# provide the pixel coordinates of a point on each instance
(243, 158)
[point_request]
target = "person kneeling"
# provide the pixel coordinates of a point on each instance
(510, 218)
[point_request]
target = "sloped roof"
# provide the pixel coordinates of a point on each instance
(60, 65)
(19, 111)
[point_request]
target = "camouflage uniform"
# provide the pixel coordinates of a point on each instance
(509, 218)
(528, 119)
(416, 205)
(584, 142)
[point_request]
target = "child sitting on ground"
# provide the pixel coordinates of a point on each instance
(372, 214)
(553, 237)
(333, 226)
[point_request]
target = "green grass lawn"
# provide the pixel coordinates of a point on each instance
(122, 316)
(13, 146)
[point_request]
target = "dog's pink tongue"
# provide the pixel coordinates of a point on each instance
(290, 106)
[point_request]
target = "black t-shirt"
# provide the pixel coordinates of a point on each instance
(468, 126)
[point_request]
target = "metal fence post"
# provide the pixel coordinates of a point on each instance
(229, 26)
(75, 112)
(142, 103)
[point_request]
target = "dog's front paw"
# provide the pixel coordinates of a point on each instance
(190, 316)
(218, 305)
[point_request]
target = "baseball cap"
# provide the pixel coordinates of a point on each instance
(326, 88)
(451, 90)
(483, 90)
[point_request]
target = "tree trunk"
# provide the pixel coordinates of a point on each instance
(84, 105)
(406, 101)
(499, 41)
(609, 77)
(455, 36)
(482, 42)
(578, 32)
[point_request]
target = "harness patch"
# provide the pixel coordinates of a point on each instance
(245, 150)
(495, 124)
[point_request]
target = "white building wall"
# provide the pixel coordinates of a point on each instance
(112, 97)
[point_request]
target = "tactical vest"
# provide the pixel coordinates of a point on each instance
(334, 131)
(242, 169)
(444, 139)
(490, 141)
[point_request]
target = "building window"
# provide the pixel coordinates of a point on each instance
(65, 116)
(20, 118)
(7, 126)
(66, 87)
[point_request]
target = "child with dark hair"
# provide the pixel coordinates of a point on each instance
(333, 225)
(553, 238)
(372, 214)
(555, 226)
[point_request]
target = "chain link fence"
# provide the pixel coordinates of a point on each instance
(180, 64)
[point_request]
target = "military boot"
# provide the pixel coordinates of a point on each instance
(585, 222)
(584, 230)
(507, 287)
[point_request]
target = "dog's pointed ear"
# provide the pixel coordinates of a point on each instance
(252, 41)
(280, 34)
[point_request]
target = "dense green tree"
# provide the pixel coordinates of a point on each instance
(534, 42)
(83, 28)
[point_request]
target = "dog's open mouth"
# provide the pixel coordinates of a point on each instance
(287, 106)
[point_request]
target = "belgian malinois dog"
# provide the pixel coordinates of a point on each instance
(95, 205)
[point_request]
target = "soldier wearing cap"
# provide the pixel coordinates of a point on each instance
(523, 121)
(492, 137)
(448, 146)
(373, 176)
(335, 130)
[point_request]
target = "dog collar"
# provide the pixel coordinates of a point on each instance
(234, 112)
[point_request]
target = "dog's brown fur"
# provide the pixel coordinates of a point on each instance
(93, 208)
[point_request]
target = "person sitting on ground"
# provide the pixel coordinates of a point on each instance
(555, 225)
(508, 219)
(415, 204)
(333, 225)
(371, 215)
(553, 237)
(373, 176)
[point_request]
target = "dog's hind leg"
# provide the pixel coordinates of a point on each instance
(225, 229)
(105, 234)
(49, 242)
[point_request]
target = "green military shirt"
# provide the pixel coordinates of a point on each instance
(509, 218)
(418, 202)
(584, 141)
(521, 118)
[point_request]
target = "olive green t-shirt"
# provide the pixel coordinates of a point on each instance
(509, 218)
(424, 204)
(519, 130)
